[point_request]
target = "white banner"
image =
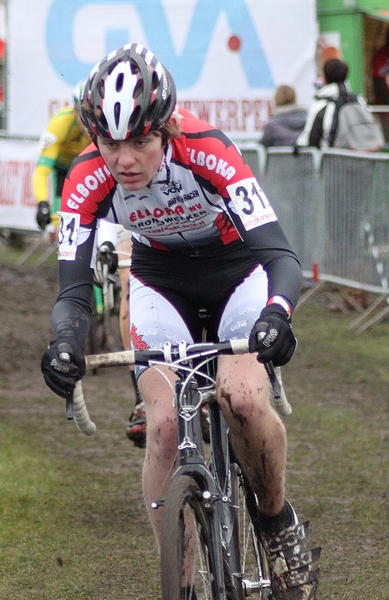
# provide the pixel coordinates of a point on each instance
(17, 203)
(226, 56)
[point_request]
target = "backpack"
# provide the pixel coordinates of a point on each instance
(354, 126)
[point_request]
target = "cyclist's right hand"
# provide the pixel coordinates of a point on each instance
(43, 217)
(63, 363)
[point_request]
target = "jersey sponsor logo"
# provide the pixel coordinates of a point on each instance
(184, 198)
(173, 187)
(155, 215)
(90, 184)
(250, 203)
(239, 325)
(137, 340)
(212, 163)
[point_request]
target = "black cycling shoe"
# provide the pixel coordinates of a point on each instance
(293, 573)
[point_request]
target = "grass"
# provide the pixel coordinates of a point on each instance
(27, 248)
(339, 449)
(72, 521)
(64, 532)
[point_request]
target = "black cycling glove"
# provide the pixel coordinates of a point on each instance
(43, 217)
(272, 336)
(63, 363)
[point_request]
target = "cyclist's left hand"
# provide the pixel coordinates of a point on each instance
(61, 373)
(272, 336)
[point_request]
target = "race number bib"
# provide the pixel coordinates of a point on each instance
(251, 203)
(69, 225)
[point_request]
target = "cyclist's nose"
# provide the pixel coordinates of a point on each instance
(126, 155)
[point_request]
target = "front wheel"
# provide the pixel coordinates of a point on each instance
(190, 568)
(254, 568)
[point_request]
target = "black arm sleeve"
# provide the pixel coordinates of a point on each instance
(72, 309)
(272, 250)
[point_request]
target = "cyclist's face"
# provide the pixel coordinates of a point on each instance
(133, 162)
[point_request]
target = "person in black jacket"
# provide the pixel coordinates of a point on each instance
(338, 118)
(319, 120)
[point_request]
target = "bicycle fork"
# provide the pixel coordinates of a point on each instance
(192, 463)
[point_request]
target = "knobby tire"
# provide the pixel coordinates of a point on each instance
(253, 563)
(188, 560)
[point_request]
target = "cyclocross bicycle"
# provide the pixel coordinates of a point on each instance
(210, 549)
(104, 331)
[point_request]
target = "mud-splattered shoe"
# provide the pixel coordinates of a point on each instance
(293, 572)
(136, 428)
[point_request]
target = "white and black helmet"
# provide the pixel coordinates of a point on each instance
(128, 93)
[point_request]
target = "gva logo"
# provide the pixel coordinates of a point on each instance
(186, 65)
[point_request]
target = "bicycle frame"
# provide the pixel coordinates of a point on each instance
(214, 476)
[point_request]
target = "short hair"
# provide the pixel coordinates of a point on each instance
(284, 95)
(335, 71)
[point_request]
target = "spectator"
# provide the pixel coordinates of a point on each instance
(64, 138)
(339, 118)
(287, 120)
(314, 134)
(380, 59)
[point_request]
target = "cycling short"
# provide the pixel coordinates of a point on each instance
(168, 289)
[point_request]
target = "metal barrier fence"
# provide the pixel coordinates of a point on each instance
(334, 209)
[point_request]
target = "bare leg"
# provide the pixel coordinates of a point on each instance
(161, 449)
(258, 434)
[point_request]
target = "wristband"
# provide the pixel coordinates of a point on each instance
(281, 302)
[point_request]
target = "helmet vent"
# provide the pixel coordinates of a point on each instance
(138, 89)
(152, 112)
(101, 88)
(117, 113)
(155, 81)
(119, 82)
(101, 122)
(134, 116)
(134, 67)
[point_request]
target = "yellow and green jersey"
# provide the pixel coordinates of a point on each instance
(59, 145)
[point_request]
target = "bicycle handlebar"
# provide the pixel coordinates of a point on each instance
(170, 354)
(80, 412)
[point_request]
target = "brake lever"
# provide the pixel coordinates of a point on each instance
(69, 406)
(273, 379)
(271, 372)
(65, 357)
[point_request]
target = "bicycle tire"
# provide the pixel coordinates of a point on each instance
(253, 563)
(104, 329)
(188, 566)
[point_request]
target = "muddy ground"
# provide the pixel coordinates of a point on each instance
(338, 451)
